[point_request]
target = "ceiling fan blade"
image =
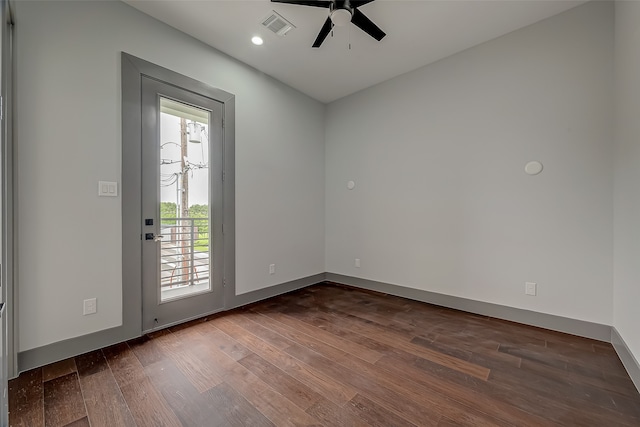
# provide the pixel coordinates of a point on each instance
(324, 32)
(358, 3)
(314, 3)
(365, 24)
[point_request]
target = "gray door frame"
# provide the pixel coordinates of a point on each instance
(133, 70)
(8, 337)
(155, 313)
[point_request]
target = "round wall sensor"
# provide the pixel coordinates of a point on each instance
(533, 168)
(351, 185)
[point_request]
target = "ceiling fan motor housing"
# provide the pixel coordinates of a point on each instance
(341, 17)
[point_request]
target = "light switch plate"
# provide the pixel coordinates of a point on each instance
(107, 189)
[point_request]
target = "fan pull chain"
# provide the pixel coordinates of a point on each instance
(349, 37)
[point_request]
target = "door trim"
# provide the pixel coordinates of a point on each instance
(133, 69)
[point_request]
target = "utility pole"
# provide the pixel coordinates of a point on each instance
(184, 197)
(187, 233)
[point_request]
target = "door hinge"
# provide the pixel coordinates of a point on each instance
(223, 123)
(224, 283)
(223, 228)
(223, 176)
(1, 109)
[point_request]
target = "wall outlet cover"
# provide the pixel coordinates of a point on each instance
(530, 288)
(89, 306)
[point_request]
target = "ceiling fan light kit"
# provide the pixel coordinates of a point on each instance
(341, 13)
(341, 17)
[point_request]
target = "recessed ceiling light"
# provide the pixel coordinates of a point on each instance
(257, 40)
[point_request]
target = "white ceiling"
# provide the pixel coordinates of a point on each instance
(419, 32)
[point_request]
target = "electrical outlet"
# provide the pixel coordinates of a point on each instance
(90, 306)
(530, 288)
(357, 263)
(272, 269)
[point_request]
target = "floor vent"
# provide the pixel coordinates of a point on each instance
(276, 23)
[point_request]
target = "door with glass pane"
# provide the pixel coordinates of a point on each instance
(182, 248)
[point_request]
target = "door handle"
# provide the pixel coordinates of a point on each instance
(151, 236)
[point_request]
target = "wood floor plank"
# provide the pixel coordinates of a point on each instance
(182, 350)
(488, 359)
(515, 394)
(82, 422)
(475, 344)
(356, 365)
(462, 392)
(190, 406)
(409, 402)
(235, 408)
(105, 404)
(334, 291)
(322, 321)
(26, 399)
(372, 313)
(375, 415)
(146, 350)
(277, 408)
(148, 407)
(91, 363)
(598, 403)
(378, 333)
(304, 339)
(538, 336)
(482, 356)
(329, 414)
(563, 408)
(63, 401)
(124, 365)
(519, 395)
(598, 385)
(357, 350)
(494, 359)
(413, 324)
(283, 383)
(247, 321)
(215, 337)
(328, 387)
(59, 369)
(458, 353)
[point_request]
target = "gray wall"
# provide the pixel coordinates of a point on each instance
(68, 137)
(627, 175)
(442, 202)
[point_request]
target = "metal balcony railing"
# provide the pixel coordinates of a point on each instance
(184, 259)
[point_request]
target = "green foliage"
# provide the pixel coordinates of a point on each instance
(201, 222)
(168, 210)
(201, 211)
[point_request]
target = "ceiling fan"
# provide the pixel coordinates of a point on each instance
(341, 12)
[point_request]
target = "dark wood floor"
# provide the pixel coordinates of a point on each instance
(335, 356)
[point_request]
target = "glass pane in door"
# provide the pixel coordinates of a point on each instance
(185, 250)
